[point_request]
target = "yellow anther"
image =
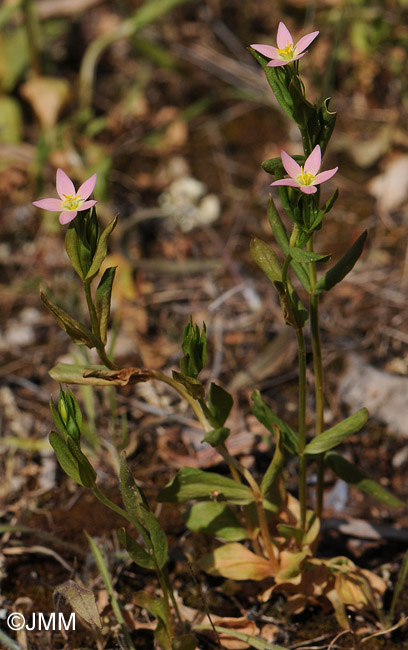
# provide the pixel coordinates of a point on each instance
(71, 202)
(287, 52)
(305, 178)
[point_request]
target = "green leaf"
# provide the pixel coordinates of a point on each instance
(282, 238)
(220, 403)
(73, 247)
(271, 165)
(81, 600)
(275, 468)
(192, 483)
(136, 552)
(216, 437)
(78, 332)
(299, 255)
(65, 458)
(324, 210)
(264, 414)
(85, 469)
(337, 434)
(276, 78)
(266, 259)
(101, 250)
(194, 348)
(343, 266)
(70, 373)
(144, 520)
(193, 386)
(215, 519)
(103, 301)
(157, 608)
(402, 576)
(358, 479)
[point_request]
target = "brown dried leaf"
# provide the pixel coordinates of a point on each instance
(120, 377)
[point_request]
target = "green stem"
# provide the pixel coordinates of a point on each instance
(302, 426)
(110, 504)
(318, 376)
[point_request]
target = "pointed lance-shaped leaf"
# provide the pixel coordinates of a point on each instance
(73, 246)
(300, 255)
(136, 552)
(282, 238)
(275, 468)
(264, 414)
(65, 458)
(77, 332)
(86, 471)
(220, 403)
(101, 250)
(357, 478)
(342, 268)
(191, 483)
(103, 301)
(277, 80)
(337, 434)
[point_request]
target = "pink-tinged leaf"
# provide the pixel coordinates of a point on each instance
(65, 186)
(286, 181)
(308, 189)
(67, 216)
(53, 205)
(87, 187)
(291, 166)
(313, 162)
(86, 205)
(266, 50)
(275, 63)
(305, 41)
(284, 37)
(324, 176)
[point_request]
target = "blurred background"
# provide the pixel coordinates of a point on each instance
(162, 99)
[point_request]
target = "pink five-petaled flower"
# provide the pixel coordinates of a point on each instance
(305, 178)
(70, 201)
(287, 51)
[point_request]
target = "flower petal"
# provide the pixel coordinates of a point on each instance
(286, 181)
(314, 161)
(283, 36)
(67, 216)
(291, 166)
(266, 50)
(65, 186)
(86, 205)
(87, 187)
(53, 205)
(308, 189)
(324, 176)
(278, 62)
(305, 41)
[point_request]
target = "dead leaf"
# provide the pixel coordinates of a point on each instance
(237, 562)
(391, 187)
(47, 96)
(120, 377)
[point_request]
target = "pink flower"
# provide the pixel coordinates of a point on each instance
(70, 201)
(287, 51)
(305, 178)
